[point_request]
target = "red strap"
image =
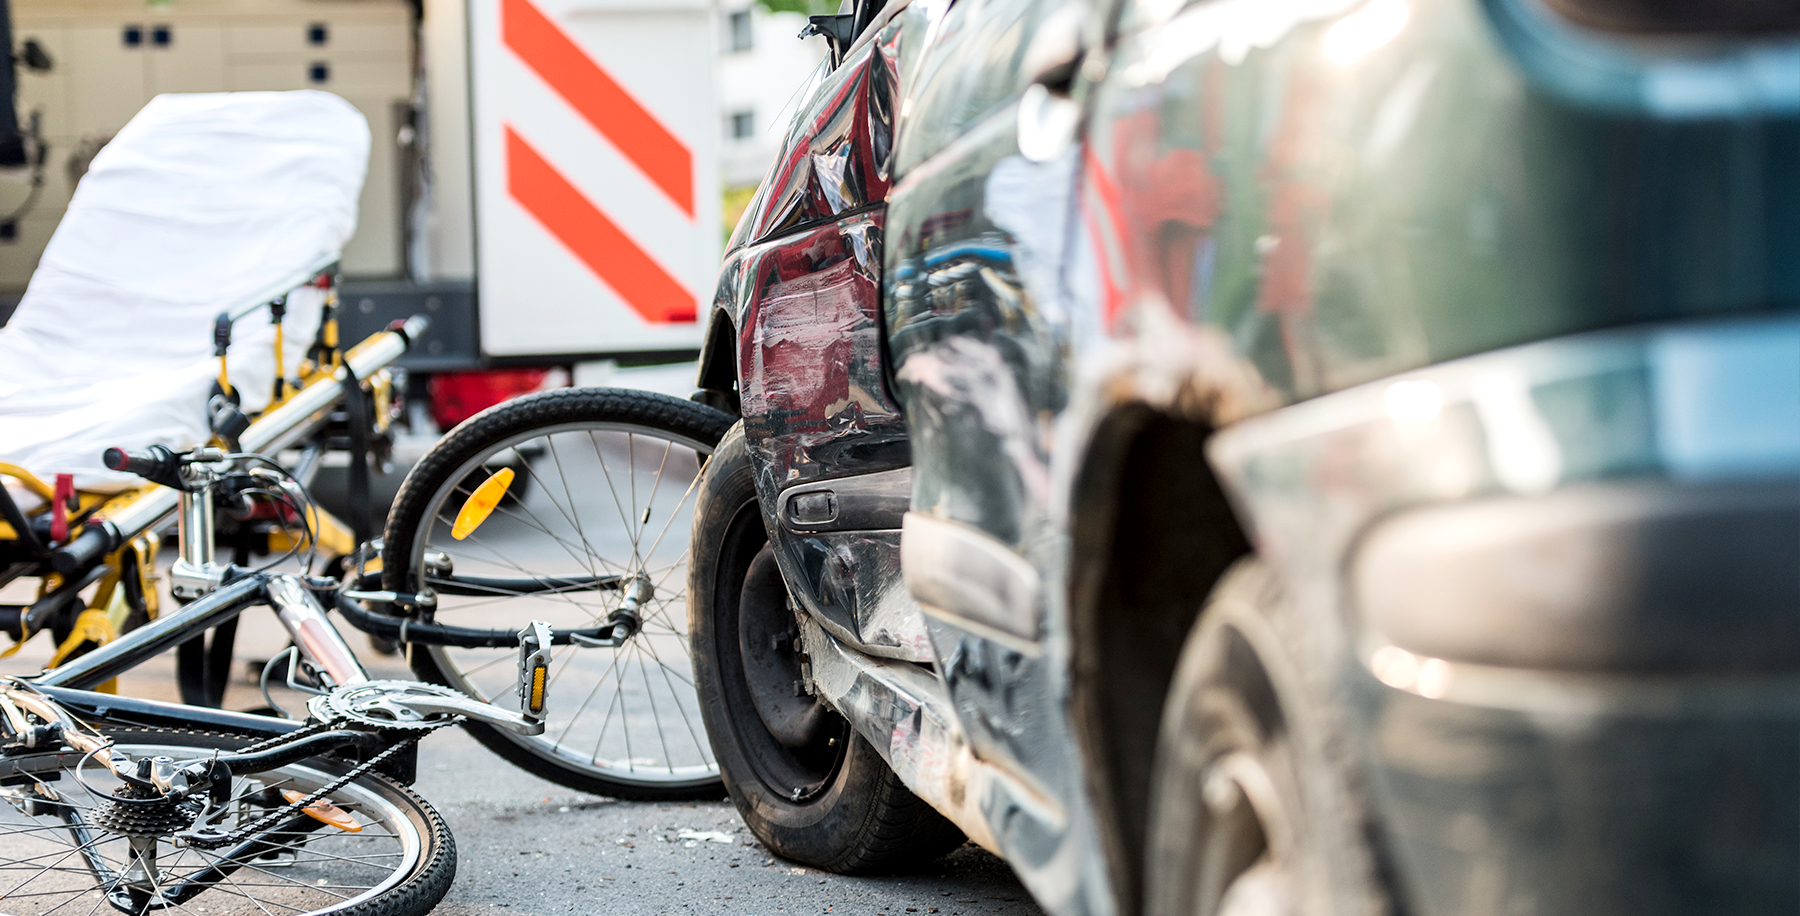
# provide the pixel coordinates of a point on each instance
(59, 507)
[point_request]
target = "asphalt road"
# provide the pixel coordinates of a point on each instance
(530, 847)
(527, 846)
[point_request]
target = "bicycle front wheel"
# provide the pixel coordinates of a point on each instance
(71, 841)
(601, 493)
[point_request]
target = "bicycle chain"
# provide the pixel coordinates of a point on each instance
(303, 731)
(276, 814)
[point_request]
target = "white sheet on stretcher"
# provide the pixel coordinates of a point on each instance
(203, 203)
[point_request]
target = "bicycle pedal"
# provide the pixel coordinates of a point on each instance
(534, 669)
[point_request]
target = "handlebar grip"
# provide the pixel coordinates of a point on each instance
(88, 547)
(157, 464)
(119, 459)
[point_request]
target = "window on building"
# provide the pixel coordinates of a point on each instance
(743, 124)
(739, 27)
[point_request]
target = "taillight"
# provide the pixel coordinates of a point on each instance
(1673, 17)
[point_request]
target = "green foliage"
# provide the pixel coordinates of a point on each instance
(737, 200)
(803, 7)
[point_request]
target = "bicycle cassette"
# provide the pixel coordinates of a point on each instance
(386, 705)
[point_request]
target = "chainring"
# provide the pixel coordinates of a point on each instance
(371, 703)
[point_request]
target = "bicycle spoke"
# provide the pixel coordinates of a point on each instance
(38, 857)
(610, 669)
(637, 725)
(660, 737)
(574, 514)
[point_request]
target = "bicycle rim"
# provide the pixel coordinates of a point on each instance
(589, 499)
(45, 866)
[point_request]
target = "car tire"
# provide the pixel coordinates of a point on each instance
(819, 794)
(1256, 804)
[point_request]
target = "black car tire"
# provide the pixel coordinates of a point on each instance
(830, 801)
(1256, 804)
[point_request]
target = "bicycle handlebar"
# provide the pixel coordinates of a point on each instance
(157, 464)
(269, 433)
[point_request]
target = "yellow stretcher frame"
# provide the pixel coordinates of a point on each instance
(108, 613)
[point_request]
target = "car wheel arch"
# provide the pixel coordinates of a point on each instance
(1151, 533)
(718, 372)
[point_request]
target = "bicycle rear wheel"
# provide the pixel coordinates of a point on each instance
(64, 847)
(602, 491)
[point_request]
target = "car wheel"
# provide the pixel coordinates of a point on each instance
(807, 786)
(1256, 807)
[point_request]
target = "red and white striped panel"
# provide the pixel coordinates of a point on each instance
(597, 200)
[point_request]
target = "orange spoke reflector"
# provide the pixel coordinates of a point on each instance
(326, 813)
(481, 503)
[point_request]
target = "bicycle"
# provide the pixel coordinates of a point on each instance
(167, 804)
(186, 798)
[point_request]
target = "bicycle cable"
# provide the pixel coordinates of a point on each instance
(303, 510)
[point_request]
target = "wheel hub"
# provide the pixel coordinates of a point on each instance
(769, 638)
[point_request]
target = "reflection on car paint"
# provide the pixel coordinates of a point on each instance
(978, 338)
(1495, 204)
(1558, 683)
(850, 580)
(835, 159)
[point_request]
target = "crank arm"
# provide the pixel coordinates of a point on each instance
(472, 709)
(533, 689)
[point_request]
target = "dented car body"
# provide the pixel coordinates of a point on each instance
(1470, 323)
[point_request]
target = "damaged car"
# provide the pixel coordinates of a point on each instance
(1271, 456)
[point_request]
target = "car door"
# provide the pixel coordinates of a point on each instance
(802, 289)
(978, 338)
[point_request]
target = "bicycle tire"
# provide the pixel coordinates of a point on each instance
(427, 851)
(419, 519)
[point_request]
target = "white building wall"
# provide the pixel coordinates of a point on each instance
(765, 82)
(444, 227)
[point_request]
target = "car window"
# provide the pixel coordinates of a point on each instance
(969, 68)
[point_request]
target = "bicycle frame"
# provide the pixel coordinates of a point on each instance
(220, 592)
(319, 643)
(300, 613)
